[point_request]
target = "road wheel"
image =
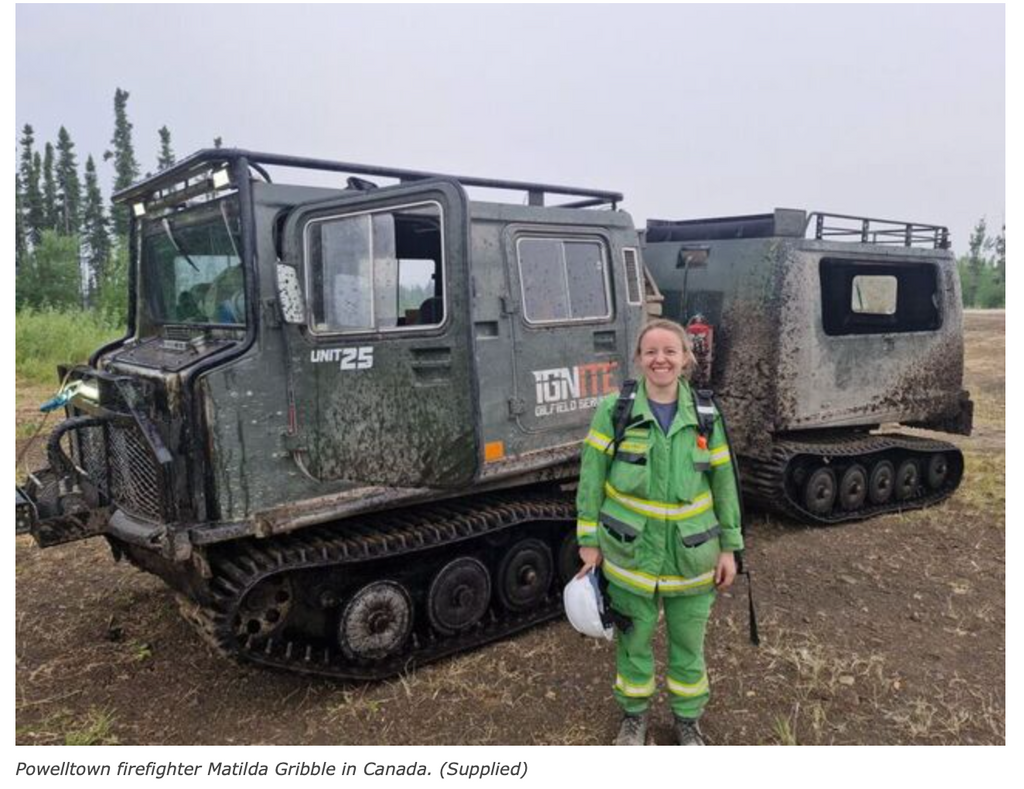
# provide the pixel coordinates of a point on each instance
(459, 595)
(265, 607)
(938, 470)
(853, 488)
(376, 621)
(908, 478)
(880, 484)
(525, 575)
(820, 491)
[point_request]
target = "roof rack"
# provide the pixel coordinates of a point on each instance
(202, 160)
(794, 223)
(885, 232)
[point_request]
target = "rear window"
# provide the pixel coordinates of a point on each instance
(861, 297)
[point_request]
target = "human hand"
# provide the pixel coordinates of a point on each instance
(591, 558)
(725, 571)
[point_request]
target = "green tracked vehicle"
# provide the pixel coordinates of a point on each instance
(344, 423)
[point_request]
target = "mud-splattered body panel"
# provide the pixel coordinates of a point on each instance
(791, 354)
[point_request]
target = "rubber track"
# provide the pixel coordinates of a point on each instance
(370, 538)
(765, 483)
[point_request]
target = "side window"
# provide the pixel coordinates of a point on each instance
(563, 279)
(862, 297)
(376, 271)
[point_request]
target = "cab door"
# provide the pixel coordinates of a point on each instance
(570, 340)
(381, 369)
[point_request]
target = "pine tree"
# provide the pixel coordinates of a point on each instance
(126, 168)
(166, 157)
(49, 191)
(1001, 256)
(69, 188)
(975, 267)
(33, 200)
(38, 210)
(20, 242)
(94, 227)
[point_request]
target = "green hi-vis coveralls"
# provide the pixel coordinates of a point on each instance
(661, 512)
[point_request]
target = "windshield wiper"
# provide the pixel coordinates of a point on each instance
(174, 241)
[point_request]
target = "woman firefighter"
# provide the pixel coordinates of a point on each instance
(659, 513)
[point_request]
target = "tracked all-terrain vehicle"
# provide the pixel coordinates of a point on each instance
(344, 423)
(826, 329)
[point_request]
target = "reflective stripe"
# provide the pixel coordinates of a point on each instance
(634, 691)
(633, 446)
(698, 688)
(648, 583)
(720, 456)
(676, 583)
(597, 440)
(585, 528)
(658, 509)
(638, 580)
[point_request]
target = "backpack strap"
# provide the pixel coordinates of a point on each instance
(623, 412)
(704, 404)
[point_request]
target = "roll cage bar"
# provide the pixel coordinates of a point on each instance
(206, 160)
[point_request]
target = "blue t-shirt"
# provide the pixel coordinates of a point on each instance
(664, 413)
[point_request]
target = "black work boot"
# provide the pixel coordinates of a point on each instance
(687, 732)
(633, 730)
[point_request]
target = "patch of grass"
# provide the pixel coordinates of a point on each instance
(784, 732)
(984, 484)
(27, 429)
(948, 714)
(46, 338)
(819, 680)
(94, 727)
(140, 651)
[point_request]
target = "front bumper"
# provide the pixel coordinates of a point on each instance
(56, 523)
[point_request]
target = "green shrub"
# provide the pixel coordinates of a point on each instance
(112, 287)
(50, 275)
(48, 337)
(990, 293)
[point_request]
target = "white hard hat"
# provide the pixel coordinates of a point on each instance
(584, 606)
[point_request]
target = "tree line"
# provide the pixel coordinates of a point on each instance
(72, 248)
(71, 244)
(983, 268)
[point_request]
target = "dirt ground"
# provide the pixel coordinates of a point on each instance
(887, 631)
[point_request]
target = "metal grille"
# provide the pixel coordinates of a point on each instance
(632, 276)
(119, 461)
(134, 475)
(92, 455)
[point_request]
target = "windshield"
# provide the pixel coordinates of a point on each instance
(191, 271)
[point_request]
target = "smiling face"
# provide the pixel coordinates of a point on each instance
(661, 357)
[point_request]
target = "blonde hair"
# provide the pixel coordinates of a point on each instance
(689, 360)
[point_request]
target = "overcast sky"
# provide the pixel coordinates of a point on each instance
(892, 112)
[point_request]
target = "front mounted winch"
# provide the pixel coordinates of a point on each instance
(105, 455)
